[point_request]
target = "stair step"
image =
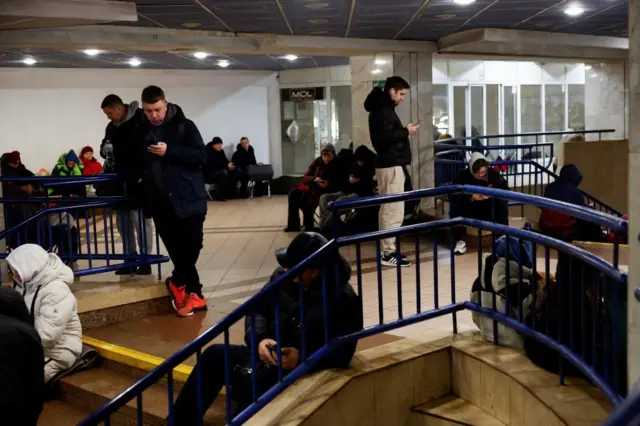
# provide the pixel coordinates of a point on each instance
(451, 410)
(89, 390)
(59, 413)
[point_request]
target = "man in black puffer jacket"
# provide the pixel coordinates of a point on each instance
(172, 155)
(243, 158)
(345, 317)
(391, 142)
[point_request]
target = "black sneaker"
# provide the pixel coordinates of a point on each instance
(144, 270)
(392, 260)
(126, 271)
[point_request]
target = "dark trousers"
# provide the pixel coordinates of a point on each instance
(481, 210)
(225, 182)
(212, 370)
(301, 200)
(183, 239)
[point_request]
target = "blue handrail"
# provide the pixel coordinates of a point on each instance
(532, 134)
(324, 256)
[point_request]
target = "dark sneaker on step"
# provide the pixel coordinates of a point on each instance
(144, 270)
(393, 260)
(126, 271)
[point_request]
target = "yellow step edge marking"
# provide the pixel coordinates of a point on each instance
(133, 358)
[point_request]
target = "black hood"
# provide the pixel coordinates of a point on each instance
(12, 305)
(378, 99)
(571, 174)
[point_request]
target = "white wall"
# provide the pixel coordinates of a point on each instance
(48, 111)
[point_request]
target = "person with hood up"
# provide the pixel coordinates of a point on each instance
(11, 164)
(68, 165)
(478, 206)
(361, 183)
(121, 155)
(21, 363)
(91, 166)
(219, 171)
(345, 317)
(242, 159)
(323, 176)
(43, 281)
(172, 156)
(501, 275)
(560, 225)
(390, 139)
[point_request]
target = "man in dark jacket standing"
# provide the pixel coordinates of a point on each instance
(390, 139)
(173, 154)
(118, 148)
(345, 318)
(21, 363)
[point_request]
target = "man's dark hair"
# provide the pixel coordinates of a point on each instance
(243, 138)
(397, 83)
(152, 94)
(111, 101)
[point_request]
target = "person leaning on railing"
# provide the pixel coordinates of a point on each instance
(345, 317)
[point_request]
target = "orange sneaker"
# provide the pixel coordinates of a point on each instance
(194, 303)
(178, 295)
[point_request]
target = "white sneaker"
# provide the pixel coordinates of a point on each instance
(460, 248)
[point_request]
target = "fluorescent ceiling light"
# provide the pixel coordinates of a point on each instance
(574, 10)
(29, 61)
(464, 2)
(376, 71)
(92, 52)
(223, 63)
(134, 62)
(380, 62)
(291, 57)
(201, 55)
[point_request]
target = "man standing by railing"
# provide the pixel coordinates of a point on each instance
(118, 150)
(391, 142)
(172, 154)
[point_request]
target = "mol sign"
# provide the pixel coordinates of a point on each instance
(304, 94)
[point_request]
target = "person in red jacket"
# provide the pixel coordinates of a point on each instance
(91, 165)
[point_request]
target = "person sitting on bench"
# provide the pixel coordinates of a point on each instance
(219, 171)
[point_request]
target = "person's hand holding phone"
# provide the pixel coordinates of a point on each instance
(412, 128)
(353, 179)
(159, 149)
(231, 166)
(266, 351)
(290, 358)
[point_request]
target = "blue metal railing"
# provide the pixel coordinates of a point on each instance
(74, 226)
(603, 370)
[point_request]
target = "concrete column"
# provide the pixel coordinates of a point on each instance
(633, 354)
(416, 68)
(364, 72)
(605, 96)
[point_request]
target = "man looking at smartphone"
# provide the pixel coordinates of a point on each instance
(345, 317)
(390, 139)
(173, 154)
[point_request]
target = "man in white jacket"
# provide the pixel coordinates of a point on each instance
(44, 280)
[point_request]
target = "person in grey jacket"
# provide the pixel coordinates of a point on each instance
(44, 281)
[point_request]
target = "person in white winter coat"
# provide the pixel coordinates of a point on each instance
(44, 281)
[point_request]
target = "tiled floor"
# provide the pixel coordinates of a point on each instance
(238, 258)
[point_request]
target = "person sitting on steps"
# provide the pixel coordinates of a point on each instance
(477, 206)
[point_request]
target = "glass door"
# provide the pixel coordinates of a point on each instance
(469, 110)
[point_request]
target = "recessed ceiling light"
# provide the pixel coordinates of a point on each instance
(587, 67)
(291, 57)
(92, 52)
(380, 62)
(464, 2)
(574, 10)
(223, 63)
(317, 6)
(376, 71)
(200, 55)
(134, 62)
(191, 24)
(29, 61)
(318, 21)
